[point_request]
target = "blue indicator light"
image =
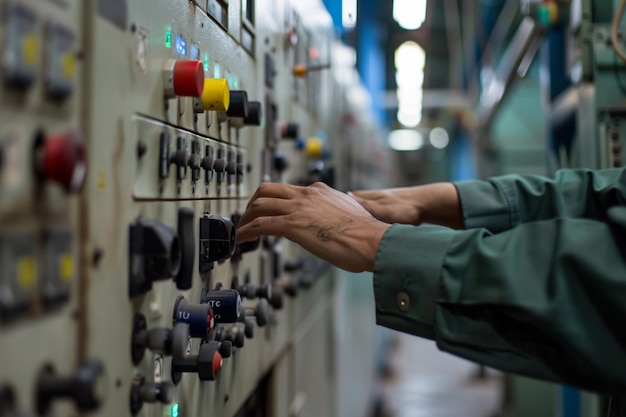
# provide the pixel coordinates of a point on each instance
(194, 52)
(181, 45)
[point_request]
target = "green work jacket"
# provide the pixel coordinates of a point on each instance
(535, 285)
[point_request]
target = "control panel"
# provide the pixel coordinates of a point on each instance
(132, 134)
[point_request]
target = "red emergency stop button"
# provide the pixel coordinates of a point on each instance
(217, 363)
(62, 159)
(183, 78)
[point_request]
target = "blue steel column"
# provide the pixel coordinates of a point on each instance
(370, 54)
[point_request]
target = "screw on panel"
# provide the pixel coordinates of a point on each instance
(141, 149)
(96, 257)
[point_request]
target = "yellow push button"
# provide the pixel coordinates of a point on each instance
(314, 147)
(30, 48)
(300, 70)
(66, 267)
(216, 94)
(68, 65)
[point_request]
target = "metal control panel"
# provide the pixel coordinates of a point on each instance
(132, 134)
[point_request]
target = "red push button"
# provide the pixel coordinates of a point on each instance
(62, 159)
(217, 363)
(183, 78)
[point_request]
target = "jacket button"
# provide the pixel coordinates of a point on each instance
(404, 303)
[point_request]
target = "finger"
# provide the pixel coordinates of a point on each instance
(267, 206)
(263, 226)
(275, 190)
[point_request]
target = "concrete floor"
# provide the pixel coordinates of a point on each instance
(425, 382)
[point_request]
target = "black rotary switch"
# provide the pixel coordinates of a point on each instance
(238, 104)
(195, 161)
(155, 254)
(207, 363)
(184, 278)
(225, 348)
(207, 163)
(180, 158)
(199, 317)
(217, 240)
(85, 388)
(220, 166)
(149, 392)
(158, 339)
(255, 114)
(226, 305)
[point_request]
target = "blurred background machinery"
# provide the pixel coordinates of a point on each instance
(133, 132)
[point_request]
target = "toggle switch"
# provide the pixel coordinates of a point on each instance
(226, 305)
(199, 317)
(207, 363)
(215, 96)
(62, 159)
(85, 388)
(155, 255)
(217, 240)
(255, 114)
(149, 392)
(183, 78)
(158, 339)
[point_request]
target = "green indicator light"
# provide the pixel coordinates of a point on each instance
(206, 62)
(235, 81)
(175, 410)
(217, 71)
(168, 38)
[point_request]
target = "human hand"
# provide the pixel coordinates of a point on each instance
(324, 221)
(394, 205)
(433, 203)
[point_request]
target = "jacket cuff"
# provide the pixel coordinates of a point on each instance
(488, 204)
(406, 277)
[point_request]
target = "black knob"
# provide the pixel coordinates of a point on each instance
(290, 131)
(155, 254)
(276, 298)
(255, 114)
(207, 363)
(246, 246)
(261, 312)
(280, 161)
(226, 304)
(199, 317)
(217, 239)
(290, 287)
(225, 348)
(248, 329)
(231, 167)
(85, 388)
(184, 278)
(158, 339)
(180, 158)
(207, 163)
(219, 165)
(195, 162)
(238, 104)
(252, 291)
(149, 392)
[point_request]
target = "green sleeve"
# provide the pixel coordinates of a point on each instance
(502, 203)
(545, 299)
